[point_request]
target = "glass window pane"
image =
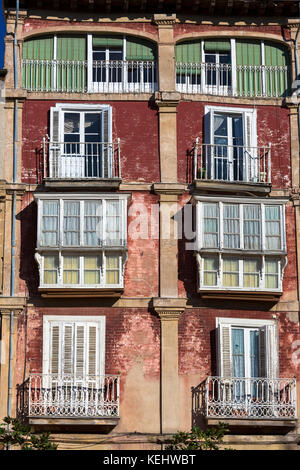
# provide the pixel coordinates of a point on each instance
(92, 269)
(252, 227)
(231, 226)
(50, 269)
(251, 272)
(112, 269)
(210, 225)
(71, 270)
(93, 223)
(71, 223)
(210, 271)
(273, 229)
(254, 353)
(271, 274)
(50, 220)
(113, 223)
(230, 272)
(238, 352)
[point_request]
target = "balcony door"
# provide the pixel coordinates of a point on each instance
(107, 69)
(73, 364)
(230, 152)
(228, 142)
(80, 143)
(217, 72)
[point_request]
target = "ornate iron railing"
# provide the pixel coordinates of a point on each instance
(51, 395)
(80, 76)
(236, 163)
(250, 81)
(256, 398)
(81, 160)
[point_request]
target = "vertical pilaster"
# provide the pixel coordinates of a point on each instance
(166, 56)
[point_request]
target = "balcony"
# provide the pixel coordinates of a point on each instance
(238, 400)
(101, 76)
(69, 399)
(243, 81)
(248, 167)
(87, 163)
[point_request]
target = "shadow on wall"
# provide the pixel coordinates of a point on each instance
(28, 266)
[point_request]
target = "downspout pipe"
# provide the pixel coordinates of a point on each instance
(13, 217)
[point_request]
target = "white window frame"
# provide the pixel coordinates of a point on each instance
(61, 319)
(272, 349)
(249, 115)
(101, 250)
(240, 253)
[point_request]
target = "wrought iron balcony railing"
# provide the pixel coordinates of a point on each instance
(256, 398)
(81, 160)
(81, 76)
(51, 395)
(249, 81)
(235, 163)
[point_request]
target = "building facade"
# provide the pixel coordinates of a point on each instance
(150, 206)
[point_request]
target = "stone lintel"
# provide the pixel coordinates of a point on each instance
(12, 303)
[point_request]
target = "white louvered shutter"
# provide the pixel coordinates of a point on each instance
(224, 351)
(268, 352)
(54, 148)
(75, 349)
(106, 138)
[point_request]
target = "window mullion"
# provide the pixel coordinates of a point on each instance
(263, 232)
(220, 235)
(81, 224)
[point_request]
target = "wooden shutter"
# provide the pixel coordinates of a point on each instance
(224, 351)
(54, 148)
(54, 125)
(107, 139)
(188, 52)
(249, 82)
(54, 349)
(222, 45)
(75, 349)
(268, 352)
(71, 77)
(277, 81)
(140, 49)
(39, 76)
(108, 41)
(92, 351)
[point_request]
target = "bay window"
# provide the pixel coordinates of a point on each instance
(240, 244)
(81, 241)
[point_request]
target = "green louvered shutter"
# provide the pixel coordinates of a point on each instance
(222, 45)
(107, 41)
(188, 52)
(277, 80)
(249, 80)
(71, 63)
(38, 75)
(140, 49)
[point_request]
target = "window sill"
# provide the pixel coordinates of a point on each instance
(84, 183)
(253, 422)
(64, 423)
(240, 295)
(63, 292)
(231, 186)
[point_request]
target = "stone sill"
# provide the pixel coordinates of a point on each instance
(233, 295)
(254, 423)
(73, 424)
(231, 187)
(70, 183)
(76, 293)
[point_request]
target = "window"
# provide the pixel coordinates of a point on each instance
(238, 67)
(81, 240)
(247, 348)
(74, 347)
(230, 150)
(86, 62)
(81, 142)
(241, 245)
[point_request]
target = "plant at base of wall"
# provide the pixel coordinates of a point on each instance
(14, 433)
(197, 439)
